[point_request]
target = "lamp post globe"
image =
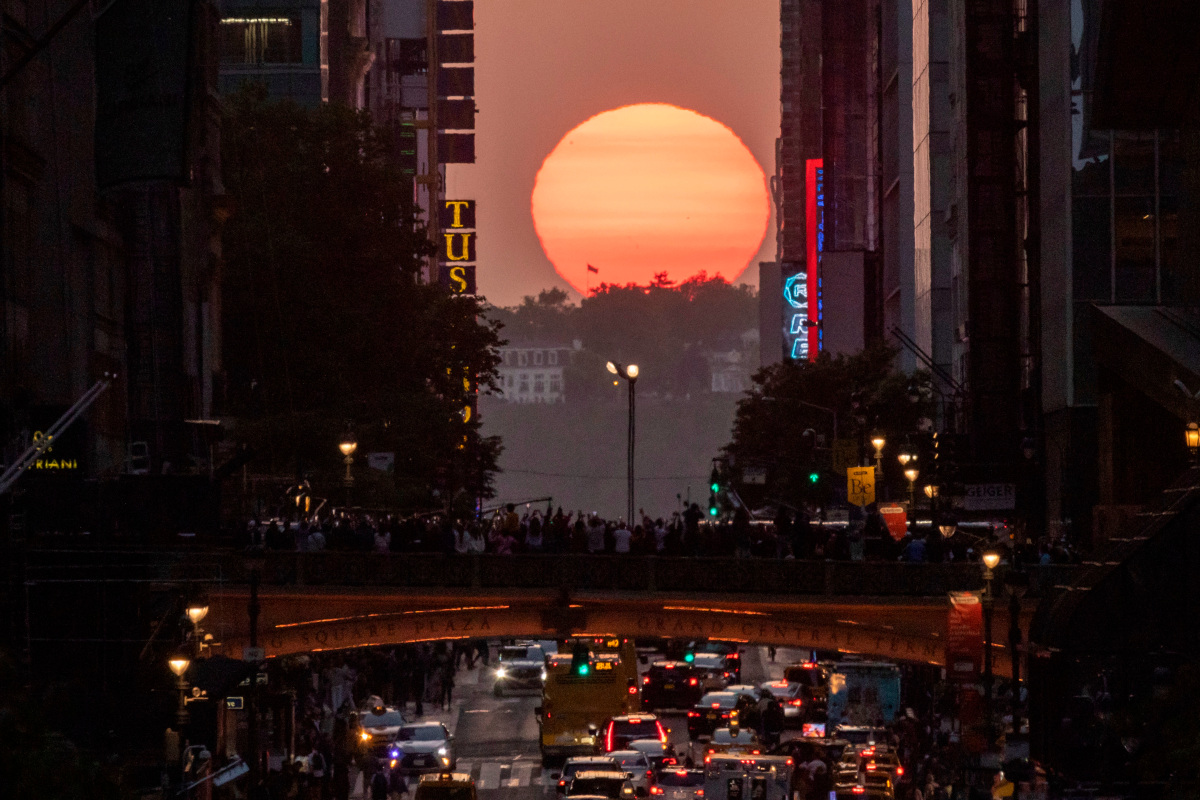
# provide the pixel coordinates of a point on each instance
(197, 612)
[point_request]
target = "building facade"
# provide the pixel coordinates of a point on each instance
(533, 374)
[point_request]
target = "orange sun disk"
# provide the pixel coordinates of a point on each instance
(649, 188)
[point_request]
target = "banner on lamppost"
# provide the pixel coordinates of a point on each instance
(964, 638)
(860, 485)
(896, 519)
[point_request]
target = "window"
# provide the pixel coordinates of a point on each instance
(508, 381)
(539, 383)
(261, 40)
(555, 385)
(523, 358)
(552, 358)
(537, 357)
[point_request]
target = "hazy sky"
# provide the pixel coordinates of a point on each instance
(545, 66)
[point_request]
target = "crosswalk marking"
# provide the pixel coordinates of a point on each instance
(493, 775)
(489, 775)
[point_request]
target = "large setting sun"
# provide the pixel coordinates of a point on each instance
(645, 189)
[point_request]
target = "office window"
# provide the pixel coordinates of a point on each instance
(261, 40)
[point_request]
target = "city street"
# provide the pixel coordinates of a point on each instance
(497, 738)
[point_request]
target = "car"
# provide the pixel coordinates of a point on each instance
(790, 696)
(717, 709)
(712, 671)
(670, 684)
(661, 755)
(857, 792)
(610, 783)
(377, 728)
(637, 766)
(520, 667)
(733, 740)
(622, 730)
(861, 735)
(813, 680)
(423, 747)
(729, 652)
(579, 764)
(445, 786)
(677, 783)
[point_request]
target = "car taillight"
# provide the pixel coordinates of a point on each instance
(646, 681)
(656, 790)
(735, 655)
(858, 790)
(608, 737)
(633, 690)
(692, 682)
(797, 702)
(871, 766)
(662, 734)
(693, 713)
(899, 771)
(699, 793)
(562, 783)
(649, 773)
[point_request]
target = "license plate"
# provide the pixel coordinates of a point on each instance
(668, 686)
(712, 715)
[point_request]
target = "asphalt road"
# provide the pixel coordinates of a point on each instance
(496, 739)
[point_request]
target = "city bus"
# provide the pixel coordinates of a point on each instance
(577, 702)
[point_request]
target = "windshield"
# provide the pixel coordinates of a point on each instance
(632, 760)
(570, 769)
(723, 700)
(681, 777)
(724, 736)
(384, 720)
(785, 690)
(424, 733)
(520, 653)
(805, 676)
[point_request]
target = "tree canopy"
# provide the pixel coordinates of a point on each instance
(325, 320)
(666, 328)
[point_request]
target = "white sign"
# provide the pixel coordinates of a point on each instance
(254, 654)
(989, 496)
(384, 462)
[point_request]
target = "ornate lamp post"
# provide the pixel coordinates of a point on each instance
(179, 664)
(630, 374)
(348, 445)
(912, 473)
(990, 560)
(1192, 437)
(878, 441)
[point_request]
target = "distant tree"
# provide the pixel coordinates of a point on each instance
(771, 419)
(667, 329)
(324, 320)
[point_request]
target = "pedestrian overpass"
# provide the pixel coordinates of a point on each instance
(329, 601)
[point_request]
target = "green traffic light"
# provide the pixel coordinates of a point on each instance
(583, 669)
(813, 477)
(689, 657)
(712, 511)
(716, 487)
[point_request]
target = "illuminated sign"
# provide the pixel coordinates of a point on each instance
(814, 189)
(458, 214)
(458, 278)
(795, 293)
(458, 246)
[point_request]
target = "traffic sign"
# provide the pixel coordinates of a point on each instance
(860, 485)
(254, 654)
(233, 703)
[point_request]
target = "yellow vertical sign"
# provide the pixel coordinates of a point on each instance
(860, 485)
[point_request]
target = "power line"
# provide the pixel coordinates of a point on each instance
(602, 477)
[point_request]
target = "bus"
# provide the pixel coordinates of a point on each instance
(747, 777)
(576, 703)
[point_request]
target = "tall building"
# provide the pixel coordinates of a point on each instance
(110, 263)
(283, 45)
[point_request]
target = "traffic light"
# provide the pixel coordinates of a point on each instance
(814, 477)
(580, 659)
(714, 481)
(689, 656)
(714, 492)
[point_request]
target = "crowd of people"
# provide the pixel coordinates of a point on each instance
(801, 534)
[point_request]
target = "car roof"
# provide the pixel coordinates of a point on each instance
(424, 725)
(446, 777)
(627, 752)
(712, 697)
(601, 773)
(642, 717)
(587, 760)
(642, 745)
(674, 663)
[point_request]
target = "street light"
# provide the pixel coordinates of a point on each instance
(912, 473)
(877, 441)
(179, 664)
(1192, 437)
(630, 374)
(990, 559)
(196, 612)
(348, 445)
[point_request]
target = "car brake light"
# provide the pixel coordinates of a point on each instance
(797, 702)
(670, 666)
(693, 713)
(608, 737)
(699, 793)
(646, 680)
(858, 790)
(716, 705)
(656, 790)
(871, 766)
(789, 762)
(899, 770)
(692, 681)
(649, 773)
(707, 759)
(662, 734)
(562, 783)
(633, 690)
(635, 721)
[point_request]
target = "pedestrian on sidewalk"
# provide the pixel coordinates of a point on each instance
(447, 685)
(379, 786)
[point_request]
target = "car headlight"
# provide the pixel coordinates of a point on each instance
(501, 672)
(441, 751)
(395, 754)
(366, 737)
(544, 675)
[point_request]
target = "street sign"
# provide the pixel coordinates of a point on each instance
(860, 485)
(896, 519)
(989, 496)
(233, 703)
(845, 455)
(254, 654)
(754, 476)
